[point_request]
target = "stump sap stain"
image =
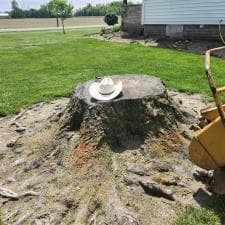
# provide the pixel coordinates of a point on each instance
(85, 149)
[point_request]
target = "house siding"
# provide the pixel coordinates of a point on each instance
(185, 12)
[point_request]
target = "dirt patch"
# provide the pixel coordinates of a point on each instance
(195, 46)
(104, 185)
(50, 22)
(192, 102)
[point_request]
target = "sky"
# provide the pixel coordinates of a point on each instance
(5, 5)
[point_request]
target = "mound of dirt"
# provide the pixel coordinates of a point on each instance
(56, 171)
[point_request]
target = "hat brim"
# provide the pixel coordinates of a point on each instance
(94, 91)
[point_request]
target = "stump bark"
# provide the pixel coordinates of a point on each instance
(143, 108)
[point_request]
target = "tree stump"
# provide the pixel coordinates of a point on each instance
(143, 108)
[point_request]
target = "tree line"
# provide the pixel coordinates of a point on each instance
(45, 10)
(100, 9)
(59, 9)
(17, 12)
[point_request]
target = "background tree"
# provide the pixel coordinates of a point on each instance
(62, 9)
(53, 12)
(100, 9)
(14, 5)
(44, 11)
(17, 12)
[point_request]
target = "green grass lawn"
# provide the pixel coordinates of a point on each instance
(40, 66)
(212, 214)
(197, 216)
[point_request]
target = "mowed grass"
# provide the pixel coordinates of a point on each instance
(197, 216)
(212, 214)
(40, 66)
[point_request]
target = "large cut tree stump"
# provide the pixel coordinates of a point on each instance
(143, 108)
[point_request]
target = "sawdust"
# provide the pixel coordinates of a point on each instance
(170, 140)
(165, 143)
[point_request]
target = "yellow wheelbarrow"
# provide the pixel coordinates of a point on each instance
(207, 148)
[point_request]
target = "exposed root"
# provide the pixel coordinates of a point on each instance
(84, 213)
(22, 219)
(155, 190)
(116, 213)
(7, 193)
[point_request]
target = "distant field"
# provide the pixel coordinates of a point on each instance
(45, 22)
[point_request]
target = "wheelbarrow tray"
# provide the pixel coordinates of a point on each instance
(211, 113)
(207, 149)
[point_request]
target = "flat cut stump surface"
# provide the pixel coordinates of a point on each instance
(135, 87)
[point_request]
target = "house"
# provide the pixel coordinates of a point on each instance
(4, 15)
(195, 19)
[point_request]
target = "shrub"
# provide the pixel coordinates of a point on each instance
(111, 19)
(105, 30)
(116, 28)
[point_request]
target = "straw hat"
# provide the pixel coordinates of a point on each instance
(105, 90)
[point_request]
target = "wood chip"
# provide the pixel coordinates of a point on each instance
(22, 219)
(7, 193)
(154, 189)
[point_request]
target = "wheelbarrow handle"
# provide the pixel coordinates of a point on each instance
(215, 91)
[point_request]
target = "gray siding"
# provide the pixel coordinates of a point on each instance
(189, 12)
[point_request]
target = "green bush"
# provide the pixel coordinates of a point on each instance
(105, 30)
(111, 19)
(116, 28)
(197, 216)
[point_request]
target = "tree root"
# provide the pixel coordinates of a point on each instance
(7, 193)
(116, 213)
(84, 213)
(21, 220)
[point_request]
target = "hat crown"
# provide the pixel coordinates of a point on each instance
(106, 86)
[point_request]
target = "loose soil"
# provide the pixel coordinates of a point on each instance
(195, 46)
(67, 194)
